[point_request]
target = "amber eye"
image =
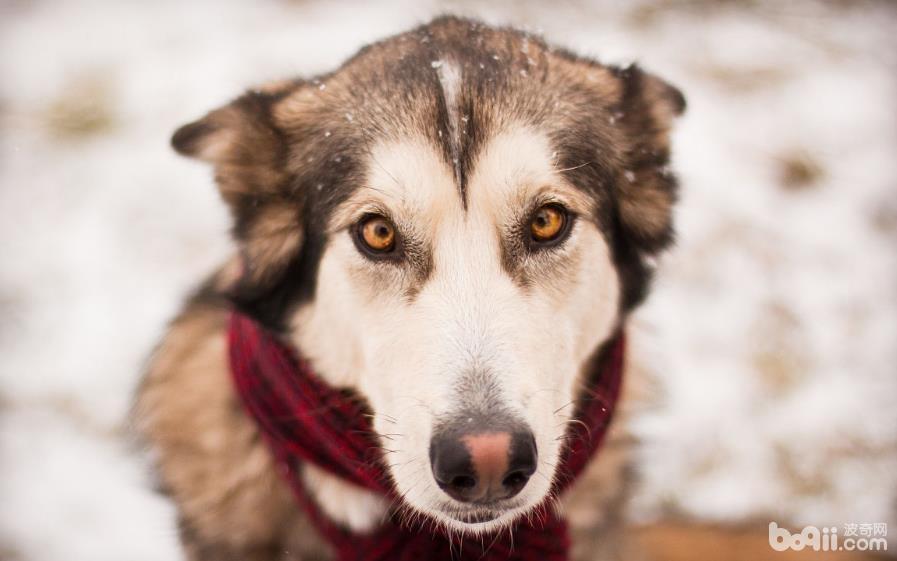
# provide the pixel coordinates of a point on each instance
(376, 234)
(548, 223)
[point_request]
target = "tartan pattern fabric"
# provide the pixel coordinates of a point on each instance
(305, 420)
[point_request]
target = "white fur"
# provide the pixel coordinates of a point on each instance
(406, 355)
(359, 509)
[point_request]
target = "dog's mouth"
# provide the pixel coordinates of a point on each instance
(476, 517)
(480, 517)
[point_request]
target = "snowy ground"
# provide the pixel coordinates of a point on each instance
(773, 329)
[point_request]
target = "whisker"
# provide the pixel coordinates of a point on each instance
(568, 404)
(574, 167)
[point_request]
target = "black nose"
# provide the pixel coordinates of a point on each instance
(483, 466)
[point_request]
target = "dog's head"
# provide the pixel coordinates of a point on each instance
(451, 224)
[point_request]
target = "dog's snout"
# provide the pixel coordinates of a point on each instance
(483, 466)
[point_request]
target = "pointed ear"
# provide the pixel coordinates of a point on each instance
(209, 139)
(647, 189)
(242, 143)
(247, 152)
(665, 100)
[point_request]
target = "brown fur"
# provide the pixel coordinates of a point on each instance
(210, 459)
(276, 147)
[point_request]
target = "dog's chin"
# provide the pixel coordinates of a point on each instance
(477, 520)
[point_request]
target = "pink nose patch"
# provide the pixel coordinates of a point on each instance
(489, 455)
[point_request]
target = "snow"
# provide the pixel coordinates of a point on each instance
(772, 328)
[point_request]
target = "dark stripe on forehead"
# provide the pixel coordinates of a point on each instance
(466, 76)
(449, 80)
(426, 64)
(447, 119)
(458, 141)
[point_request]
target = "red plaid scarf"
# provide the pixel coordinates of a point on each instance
(305, 420)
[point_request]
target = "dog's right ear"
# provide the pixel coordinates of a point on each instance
(210, 139)
(248, 154)
(242, 143)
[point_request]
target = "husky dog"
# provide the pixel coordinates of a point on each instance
(451, 225)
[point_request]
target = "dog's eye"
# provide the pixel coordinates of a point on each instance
(549, 224)
(376, 234)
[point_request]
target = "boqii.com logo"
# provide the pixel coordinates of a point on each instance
(854, 537)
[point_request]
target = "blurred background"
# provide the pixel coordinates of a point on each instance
(772, 330)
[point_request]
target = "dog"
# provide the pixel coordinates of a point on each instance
(450, 225)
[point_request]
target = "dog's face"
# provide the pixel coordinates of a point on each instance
(451, 225)
(464, 315)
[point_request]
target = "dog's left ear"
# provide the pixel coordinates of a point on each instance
(647, 190)
(248, 154)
